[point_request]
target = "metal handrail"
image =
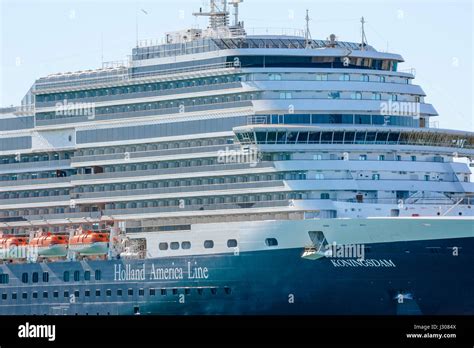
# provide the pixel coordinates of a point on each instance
(125, 76)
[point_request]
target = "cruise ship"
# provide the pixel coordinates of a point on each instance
(219, 172)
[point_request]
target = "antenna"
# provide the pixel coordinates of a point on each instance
(217, 18)
(102, 48)
(136, 22)
(364, 38)
(307, 32)
(236, 3)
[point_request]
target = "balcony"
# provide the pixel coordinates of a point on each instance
(181, 170)
(217, 188)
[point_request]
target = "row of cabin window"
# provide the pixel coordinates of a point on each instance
(184, 182)
(209, 244)
(28, 194)
(341, 77)
(145, 185)
(210, 201)
(108, 293)
(352, 95)
(152, 147)
(77, 275)
(191, 203)
(35, 276)
(166, 105)
(35, 158)
(136, 89)
(38, 175)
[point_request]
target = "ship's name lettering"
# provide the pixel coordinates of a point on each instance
(127, 272)
(363, 263)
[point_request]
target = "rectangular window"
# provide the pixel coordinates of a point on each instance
(4, 278)
(321, 77)
(363, 158)
(317, 157)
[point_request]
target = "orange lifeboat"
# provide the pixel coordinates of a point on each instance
(90, 243)
(49, 245)
(12, 247)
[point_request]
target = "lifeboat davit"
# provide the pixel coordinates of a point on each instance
(49, 245)
(13, 247)
(90, 243)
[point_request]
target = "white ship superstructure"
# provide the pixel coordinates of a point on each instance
(220, 128)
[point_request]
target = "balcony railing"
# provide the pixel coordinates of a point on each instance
(121, 77)
(157, 153)
(181, 189)
(180, 170)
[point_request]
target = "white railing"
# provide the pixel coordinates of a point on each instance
(124, 76)
(411, 71)
(21, 109)
(275, 31)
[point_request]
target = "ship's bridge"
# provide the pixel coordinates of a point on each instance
(440, 140)
(148, 50)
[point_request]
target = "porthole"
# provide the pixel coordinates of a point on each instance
(209, 244)
(271, 242)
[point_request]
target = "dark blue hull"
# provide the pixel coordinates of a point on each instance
(421, 277)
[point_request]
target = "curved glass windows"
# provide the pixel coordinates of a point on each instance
(362, 119)
(374, 136)
(403, 121)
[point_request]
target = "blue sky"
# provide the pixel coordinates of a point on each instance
(41, 37)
